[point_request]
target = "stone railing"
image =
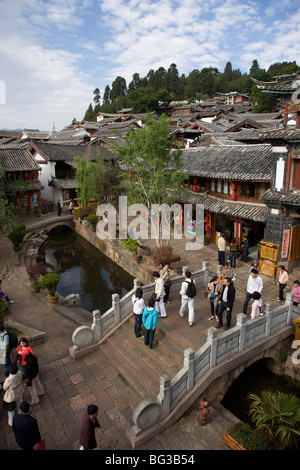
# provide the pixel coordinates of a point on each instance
(88, 338)
(217, 349)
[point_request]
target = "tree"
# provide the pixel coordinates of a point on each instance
(151, 170)
(118, 88)
(143, 100)
(172, 79)
(277, 415)
(95, 180)
(106, 96)
(89, 114)
(97, 97)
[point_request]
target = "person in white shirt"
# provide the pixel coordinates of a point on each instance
(185, 300)
(221, 250)
(282, 281)
(254, 284)
(138, 308)
(159, 290)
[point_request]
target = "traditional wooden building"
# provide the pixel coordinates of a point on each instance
(21, 184)
(229, 180)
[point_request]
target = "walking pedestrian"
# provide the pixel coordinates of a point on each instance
(254, 284)
(4, 296)
(214, 290)
(26, 428)
(160, 293)
(150, 318)
(256, 308)
(245, 249)
(166, 273)
(227, 271)
(14, 389)
(138, 308)
(32, 378)
(296, 292)
(283, 280)
(59, 210)
(22, 350)
(254, 265)
(221, 249)
(233, 253)
(187, 298)
(226, 303)
(90, 422)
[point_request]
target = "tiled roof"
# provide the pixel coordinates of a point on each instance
(243, 210)
(292, 197)
(233, 162)
(17, 159)
(286, 84)
(61, 183)
(60, 152)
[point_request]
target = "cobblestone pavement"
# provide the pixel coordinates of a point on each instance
(71, 385)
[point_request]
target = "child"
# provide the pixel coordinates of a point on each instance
(256, 306)
(150, 317)
(296, 292)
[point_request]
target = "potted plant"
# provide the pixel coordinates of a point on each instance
(16, 236)
(144, 250)
(131, 244)
(93, 220)
(277, 416)
(243, 437)
(50, 281)
(35, 272)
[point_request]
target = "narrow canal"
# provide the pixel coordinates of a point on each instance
(84, 270)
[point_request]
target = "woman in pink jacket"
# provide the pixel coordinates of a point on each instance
(296, 292)
(283, 280)
(256, 306)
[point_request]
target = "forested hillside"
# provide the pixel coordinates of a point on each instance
(162, 86)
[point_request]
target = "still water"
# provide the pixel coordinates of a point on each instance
(84, 270)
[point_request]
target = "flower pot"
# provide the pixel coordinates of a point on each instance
(137, 258)
(52, 300)
(35, 288)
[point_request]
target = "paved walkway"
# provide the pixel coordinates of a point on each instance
(71, 385)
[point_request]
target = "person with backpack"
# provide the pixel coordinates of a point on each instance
(150, 318)
(188, 292)
(32, 378)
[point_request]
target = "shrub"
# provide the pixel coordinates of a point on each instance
(131, 244)
(245, 435)
(16, 236)
(50, 281)
(162, 254)
(4, 312)
(93, 220)
(35, 272)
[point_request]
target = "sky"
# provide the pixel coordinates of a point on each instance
(54, 53)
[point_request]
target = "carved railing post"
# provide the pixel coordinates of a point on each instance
(136, 283)
(164, 396)
(116, 307)
(241, 319)
(289, 302)
(96, 326)
(189, 364)
(268, 313)
(212, 339)
(205, 267)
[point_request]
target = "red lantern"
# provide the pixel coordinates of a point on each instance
(206, 228)
(206, 220)
(234, 196)
(8, 176)
(39, 193)
(40, 203)
(233, 186)
(26, 174)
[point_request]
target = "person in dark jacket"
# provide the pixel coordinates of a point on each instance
(26, 428)
(32, 378)
(226, 301)
(89, 424)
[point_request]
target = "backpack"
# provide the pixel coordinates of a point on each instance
(13, 340)
(191, 289)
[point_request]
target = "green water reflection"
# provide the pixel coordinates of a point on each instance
(84, 270)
